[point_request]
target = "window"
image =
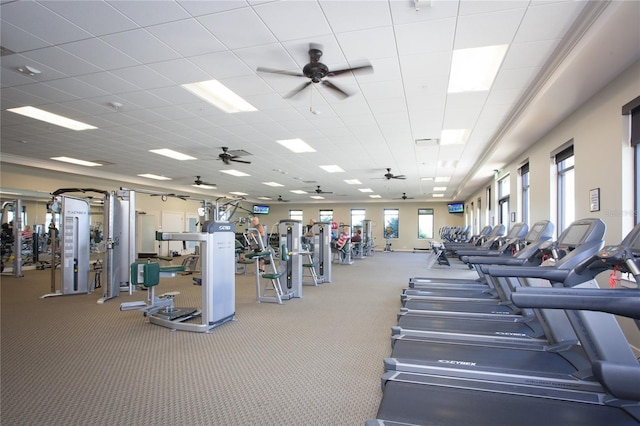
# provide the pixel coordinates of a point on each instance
(357, 217)
(504, 192)
(425, 223)
(295, 215)
(326, 216)
(391, 218)
(566, 188)
(633, 109)
(524, 191)
(489, 204)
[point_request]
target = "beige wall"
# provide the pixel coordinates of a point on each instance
(603, 159)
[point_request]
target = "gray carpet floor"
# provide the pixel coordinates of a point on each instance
(311, 361)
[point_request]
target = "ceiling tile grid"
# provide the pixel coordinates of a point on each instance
(94, 55)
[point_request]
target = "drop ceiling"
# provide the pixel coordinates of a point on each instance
(119, 66)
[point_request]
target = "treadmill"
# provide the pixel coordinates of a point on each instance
(539, 232)
(538, 327)
(581, 236)
(567, 365)
(435, 399)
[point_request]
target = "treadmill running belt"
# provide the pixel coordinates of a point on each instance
(482, 306)
(485, 327)
(486, 358)
(427, 405)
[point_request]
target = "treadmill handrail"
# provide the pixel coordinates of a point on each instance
(624, 302)
(548, 273)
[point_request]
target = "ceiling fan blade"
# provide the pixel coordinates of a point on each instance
(362, 68)
(399, 177)
(239, 161)
(297, 90)
(284, 72)
(335, 88)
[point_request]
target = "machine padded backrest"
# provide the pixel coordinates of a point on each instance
(145, 273)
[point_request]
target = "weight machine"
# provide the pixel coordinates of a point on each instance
(322, 251)
(217, 241)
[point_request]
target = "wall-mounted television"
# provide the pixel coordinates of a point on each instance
(456, 207)
(260, 209)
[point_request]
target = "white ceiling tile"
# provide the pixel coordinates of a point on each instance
(309, 21)
(61, 61)
(142, 45)
(108, 82)
(357, 46)
(488, 29)
(187, 37)
(548, 21)
(231, 28)
(416, 38)
(181, 71)
(76, 88)
(100, 54)
(98, 18)
(356, 15)
(41, 22)
(382, 89)
(221, 65)
(18, 40)
(143, 77)
(150, 12)
(404, 12)
(474, 7)
(199, 7)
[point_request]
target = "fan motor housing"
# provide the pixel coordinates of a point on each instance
(315, 71)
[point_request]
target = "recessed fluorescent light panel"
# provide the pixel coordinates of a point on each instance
(440, 188)
(437, 195)
(296, 145)
(152, 176)
(454, 136)
(238, 193)
(375, 196)
(352, 182)
(76, 161)
(332, 169)
(217, 94)
(233, 172)
(203, 186)
(274, 184)
(298, 191)
(365, 190)
(172, 154)
(264, 198)
(473, 70)
(317, 197)
(48, 117)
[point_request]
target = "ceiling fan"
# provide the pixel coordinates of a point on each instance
(229, 156)
(282, 200)
(404, 197)
(200, 182)
(390, 175)
(320, 191)
(316, 72)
